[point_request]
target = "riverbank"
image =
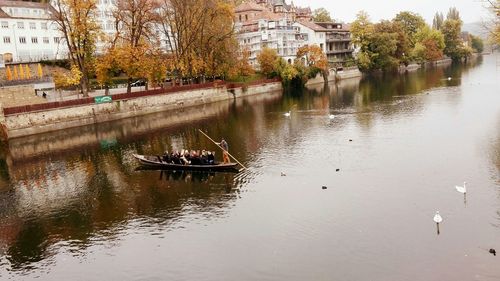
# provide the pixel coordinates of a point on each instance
(40, 118)
(333, 76)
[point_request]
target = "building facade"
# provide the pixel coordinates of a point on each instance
(28, 32)
(312, 34)
(339, 47)
(274, 24)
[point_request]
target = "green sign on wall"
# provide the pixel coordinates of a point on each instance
(103, 99)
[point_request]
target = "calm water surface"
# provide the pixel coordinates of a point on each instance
(73, 205)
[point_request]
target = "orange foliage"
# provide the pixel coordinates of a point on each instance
(313, 56)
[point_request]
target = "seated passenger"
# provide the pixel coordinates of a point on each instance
(195, 160)
(166, 157)
(203, 158)
(176, 158)
(211, 158)
(185, 157)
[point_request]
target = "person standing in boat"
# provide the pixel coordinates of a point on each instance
(225, 148)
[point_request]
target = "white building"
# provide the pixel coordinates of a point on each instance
(28, 32)
(258, 26)
(312, 34)
(105, 18)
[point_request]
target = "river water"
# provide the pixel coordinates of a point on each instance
(74, 206)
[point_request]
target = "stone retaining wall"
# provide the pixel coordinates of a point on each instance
(29, 123)
(19, 95)
(332, 77)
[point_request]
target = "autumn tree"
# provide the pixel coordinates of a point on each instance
(438, 20)
(361, 29)
(267, 61)
(77, 22)
(106, 68)
(451, 30)
(429, 45)
(314, 59)
(453, 14)
(68, 79)
(15, 75)
(219, 46)
(288, 72)
(135, 39)
(477, 44)
(378, 43)
(397, 30)
(321, 15)
(200, 36)
(242, 66)
(494, 28)
(8, 74)
(411, 23)
(154, 67)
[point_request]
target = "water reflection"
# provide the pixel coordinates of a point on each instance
(52, 201)
(73, 190)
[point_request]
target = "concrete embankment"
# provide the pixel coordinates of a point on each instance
(30, 120)
(333, 76)
(57, 143)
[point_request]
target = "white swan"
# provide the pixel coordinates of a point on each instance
(331, 116)
(461, 189)
(287, 114)
(437, 217)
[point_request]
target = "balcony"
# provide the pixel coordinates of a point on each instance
(336, 38)
(339, 51)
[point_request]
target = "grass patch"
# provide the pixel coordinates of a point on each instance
(248, 79)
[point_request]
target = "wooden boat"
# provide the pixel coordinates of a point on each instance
(152, 161)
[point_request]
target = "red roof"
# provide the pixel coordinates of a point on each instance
(248, 6)
(313, 26)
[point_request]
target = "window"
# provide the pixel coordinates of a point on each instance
(20, 25)
(32, 25)
(34, 40)
(22, 40)
(46, 40)
(43, 25)
(56, 40)
(5, 24)
(6, 39)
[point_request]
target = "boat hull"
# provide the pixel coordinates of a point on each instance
(154, 163)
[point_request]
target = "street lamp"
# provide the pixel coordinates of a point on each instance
(15, 40)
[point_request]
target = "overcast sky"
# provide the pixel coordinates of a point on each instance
(470, 10)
